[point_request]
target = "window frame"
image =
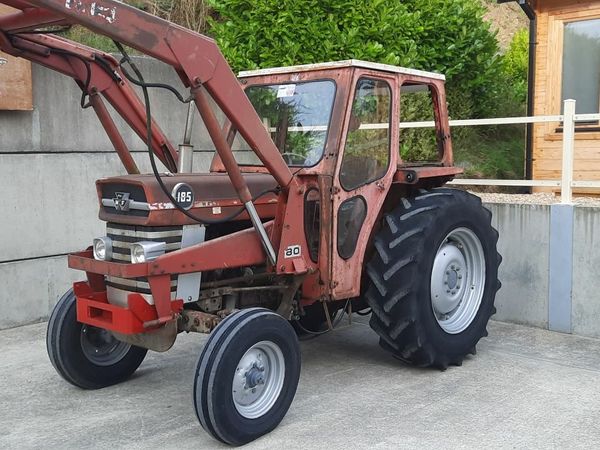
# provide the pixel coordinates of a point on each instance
(434, 93)
(333, 100)
(367, 76)
(585, 126)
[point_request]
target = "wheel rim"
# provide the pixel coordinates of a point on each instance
(458, 280)
(258, 379)
(100, 347)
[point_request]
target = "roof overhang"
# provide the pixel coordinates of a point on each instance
(525, 5)
(342, 64)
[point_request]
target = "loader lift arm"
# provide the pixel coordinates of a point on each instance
(96, 73)
(196, 58)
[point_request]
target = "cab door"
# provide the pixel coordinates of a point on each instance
(363, 175)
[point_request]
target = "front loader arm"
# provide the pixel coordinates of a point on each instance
(96, 73)
(198, 62)
(196, 58)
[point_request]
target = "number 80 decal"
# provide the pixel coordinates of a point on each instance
(292, 251)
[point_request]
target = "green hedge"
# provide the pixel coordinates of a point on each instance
(438, 35)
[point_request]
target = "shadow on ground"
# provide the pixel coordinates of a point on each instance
(525, 388)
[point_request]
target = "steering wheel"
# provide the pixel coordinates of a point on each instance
(289, 158)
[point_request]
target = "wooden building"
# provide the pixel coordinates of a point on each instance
(15, 80)
(564, 64)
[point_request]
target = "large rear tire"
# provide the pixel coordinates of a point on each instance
(246, 376)
(433, 278)
(86, 356)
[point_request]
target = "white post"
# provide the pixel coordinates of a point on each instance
(566, 194)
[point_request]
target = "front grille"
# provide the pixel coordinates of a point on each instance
(124, 236)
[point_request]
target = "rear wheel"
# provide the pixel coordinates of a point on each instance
(86, 356)
(247, 376)
(433, 279)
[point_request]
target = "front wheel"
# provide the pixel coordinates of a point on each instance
(247, 376)
(86, 356)
(434, 277)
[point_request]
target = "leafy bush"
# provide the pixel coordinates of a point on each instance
(516, 63)
(450, 37)
(439, 35)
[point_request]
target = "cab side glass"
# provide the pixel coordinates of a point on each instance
(418, 145)
(312, 222)
(367, 150)
(351, 215)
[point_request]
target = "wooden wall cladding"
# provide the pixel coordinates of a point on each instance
(552, 15)
(15, 80)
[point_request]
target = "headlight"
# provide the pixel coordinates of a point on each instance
(146, 251)
(102, 248)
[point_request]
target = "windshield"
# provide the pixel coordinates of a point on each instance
(297, 117)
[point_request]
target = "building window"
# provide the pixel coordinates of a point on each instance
(581, 65)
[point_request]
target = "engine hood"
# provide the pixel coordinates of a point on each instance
(139, 199)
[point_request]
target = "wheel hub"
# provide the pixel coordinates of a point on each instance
(447, 284)
(254, 377)
(457, 280)
(258, 379)
(100, 347)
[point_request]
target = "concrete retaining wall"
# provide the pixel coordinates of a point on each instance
(524, 237)
(50, 158)
(567, 301)
(586, 272)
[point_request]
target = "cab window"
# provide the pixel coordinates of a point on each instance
(297, 117)
(367, 150)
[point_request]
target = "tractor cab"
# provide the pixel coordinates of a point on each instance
(337, 126)
(315, 111)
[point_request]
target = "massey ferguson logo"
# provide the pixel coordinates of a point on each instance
(122, 201)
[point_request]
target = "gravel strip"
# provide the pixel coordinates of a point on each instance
(538, 198)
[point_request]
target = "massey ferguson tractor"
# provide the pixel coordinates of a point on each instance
(308, 213)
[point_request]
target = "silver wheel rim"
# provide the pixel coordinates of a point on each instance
(100, 347)
(458, 280)
(258, 379)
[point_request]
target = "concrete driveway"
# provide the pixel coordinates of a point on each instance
(526, 388)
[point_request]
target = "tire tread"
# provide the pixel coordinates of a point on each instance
(391, 290)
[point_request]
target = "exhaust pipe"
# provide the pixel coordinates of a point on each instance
(186, 150)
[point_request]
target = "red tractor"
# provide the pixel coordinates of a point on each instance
(308, 214)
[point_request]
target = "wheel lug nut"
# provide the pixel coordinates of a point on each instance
(448, 291)
(460, 277)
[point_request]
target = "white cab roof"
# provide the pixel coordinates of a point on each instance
(340, 64)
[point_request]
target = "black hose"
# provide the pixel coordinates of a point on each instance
(141, 83)
(86, 86)
(334, 324)
(156, 85)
